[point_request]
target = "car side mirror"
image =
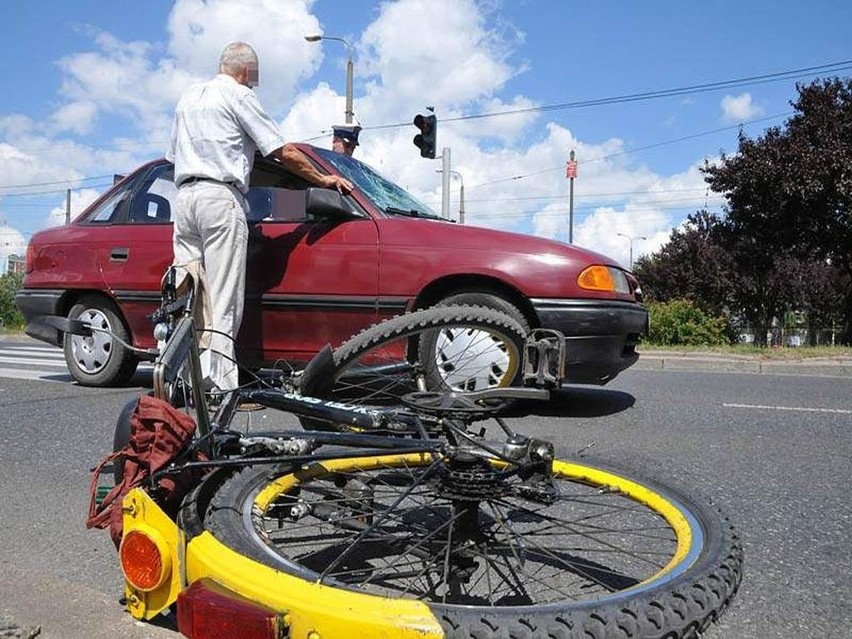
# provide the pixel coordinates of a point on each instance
(326, 204)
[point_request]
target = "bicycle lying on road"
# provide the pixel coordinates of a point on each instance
(405, 506)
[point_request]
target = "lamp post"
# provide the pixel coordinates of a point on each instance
(349, 69)
(630, 239)
(461, 192)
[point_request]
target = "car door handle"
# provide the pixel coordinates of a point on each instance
(119, 254)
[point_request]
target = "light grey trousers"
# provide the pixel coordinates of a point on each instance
(210, 226)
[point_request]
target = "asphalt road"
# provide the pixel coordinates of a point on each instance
(772, 450)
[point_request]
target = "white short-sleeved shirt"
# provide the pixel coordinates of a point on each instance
(217, 128)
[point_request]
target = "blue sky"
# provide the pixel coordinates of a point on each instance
(90, 86)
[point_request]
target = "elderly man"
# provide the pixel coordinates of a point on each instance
(217, 128)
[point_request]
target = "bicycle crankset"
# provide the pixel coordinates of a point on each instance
(453, 405)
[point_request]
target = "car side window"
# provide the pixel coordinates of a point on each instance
(275, 195)
(113, 208)
(273, 204)
(153, 202)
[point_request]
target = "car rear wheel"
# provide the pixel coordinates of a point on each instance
(99, 360)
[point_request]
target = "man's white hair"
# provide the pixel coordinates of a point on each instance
(236, 57)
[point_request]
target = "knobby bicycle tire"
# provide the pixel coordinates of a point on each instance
(461, 348)
(575, 568)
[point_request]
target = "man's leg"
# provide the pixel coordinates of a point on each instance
(224, 233)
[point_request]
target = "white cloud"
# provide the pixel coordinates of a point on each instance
(739, 108)
(459, 62)
(451, 60)
(78, 117)
(80, 199)
(12, 242)
(199, 30)
(122, 78)
(18, 167)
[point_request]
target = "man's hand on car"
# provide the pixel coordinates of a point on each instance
(337, 182)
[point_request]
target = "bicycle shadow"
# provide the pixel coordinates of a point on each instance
(576, 401)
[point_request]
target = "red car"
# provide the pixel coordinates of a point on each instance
(318, 273)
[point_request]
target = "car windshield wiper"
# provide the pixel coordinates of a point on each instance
(409, 212)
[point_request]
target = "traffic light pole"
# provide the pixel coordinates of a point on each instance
(445, 184)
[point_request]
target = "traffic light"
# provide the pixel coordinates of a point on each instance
(425, 140)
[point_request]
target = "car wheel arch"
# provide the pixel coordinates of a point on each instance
(72, 297)
(445, 288)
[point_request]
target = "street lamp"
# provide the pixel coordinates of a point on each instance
(461, 192)
(630, 238)
(349, 69)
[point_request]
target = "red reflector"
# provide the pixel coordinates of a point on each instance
(207, 610)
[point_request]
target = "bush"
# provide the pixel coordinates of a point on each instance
(681, 322)
(10, 284)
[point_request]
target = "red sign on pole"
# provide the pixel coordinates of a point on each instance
(571, 170)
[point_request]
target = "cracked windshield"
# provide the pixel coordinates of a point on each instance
(389, 197)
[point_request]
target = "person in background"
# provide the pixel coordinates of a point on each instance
(218, 126)
(345, 138)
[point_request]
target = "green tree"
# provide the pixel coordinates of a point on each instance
(693, 265)
(789, 201)
(10, 284)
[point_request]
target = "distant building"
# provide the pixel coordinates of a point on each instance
(14, 264)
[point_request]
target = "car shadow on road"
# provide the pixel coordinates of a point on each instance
(576, 401)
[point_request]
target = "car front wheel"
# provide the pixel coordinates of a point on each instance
(99, 360)
(448, 344)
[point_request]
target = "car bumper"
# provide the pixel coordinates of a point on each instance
(600, 336)
(34, 303)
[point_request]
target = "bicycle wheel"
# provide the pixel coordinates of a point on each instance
(461, 348)
(611, 555)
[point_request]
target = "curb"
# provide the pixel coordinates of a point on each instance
(817, 367)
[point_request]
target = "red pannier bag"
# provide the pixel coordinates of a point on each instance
(158, 434)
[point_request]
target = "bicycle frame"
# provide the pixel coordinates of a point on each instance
(544, 362)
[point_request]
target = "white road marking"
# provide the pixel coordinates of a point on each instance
(44, 350)
(35, 362)
(20, 373)
(801, 409)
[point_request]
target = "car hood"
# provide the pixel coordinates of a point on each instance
(434, 234)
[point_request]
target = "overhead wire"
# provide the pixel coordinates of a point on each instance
(619, 99)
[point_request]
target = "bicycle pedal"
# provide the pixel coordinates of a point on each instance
(544, 358)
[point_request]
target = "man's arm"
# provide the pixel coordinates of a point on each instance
(299, 164)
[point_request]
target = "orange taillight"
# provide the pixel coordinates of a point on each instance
(596, 278)
(144, 559)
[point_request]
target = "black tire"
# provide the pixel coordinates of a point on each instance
(121, 437)
(487, 300)
(99, 360)
(404, 354)
(615, 556)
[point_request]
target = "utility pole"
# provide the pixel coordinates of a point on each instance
(571, 173)
(445, 183)
(461, 192)
(68, 206)
(461, 199)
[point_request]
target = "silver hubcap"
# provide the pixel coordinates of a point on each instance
(470, 359)
(92, 354)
